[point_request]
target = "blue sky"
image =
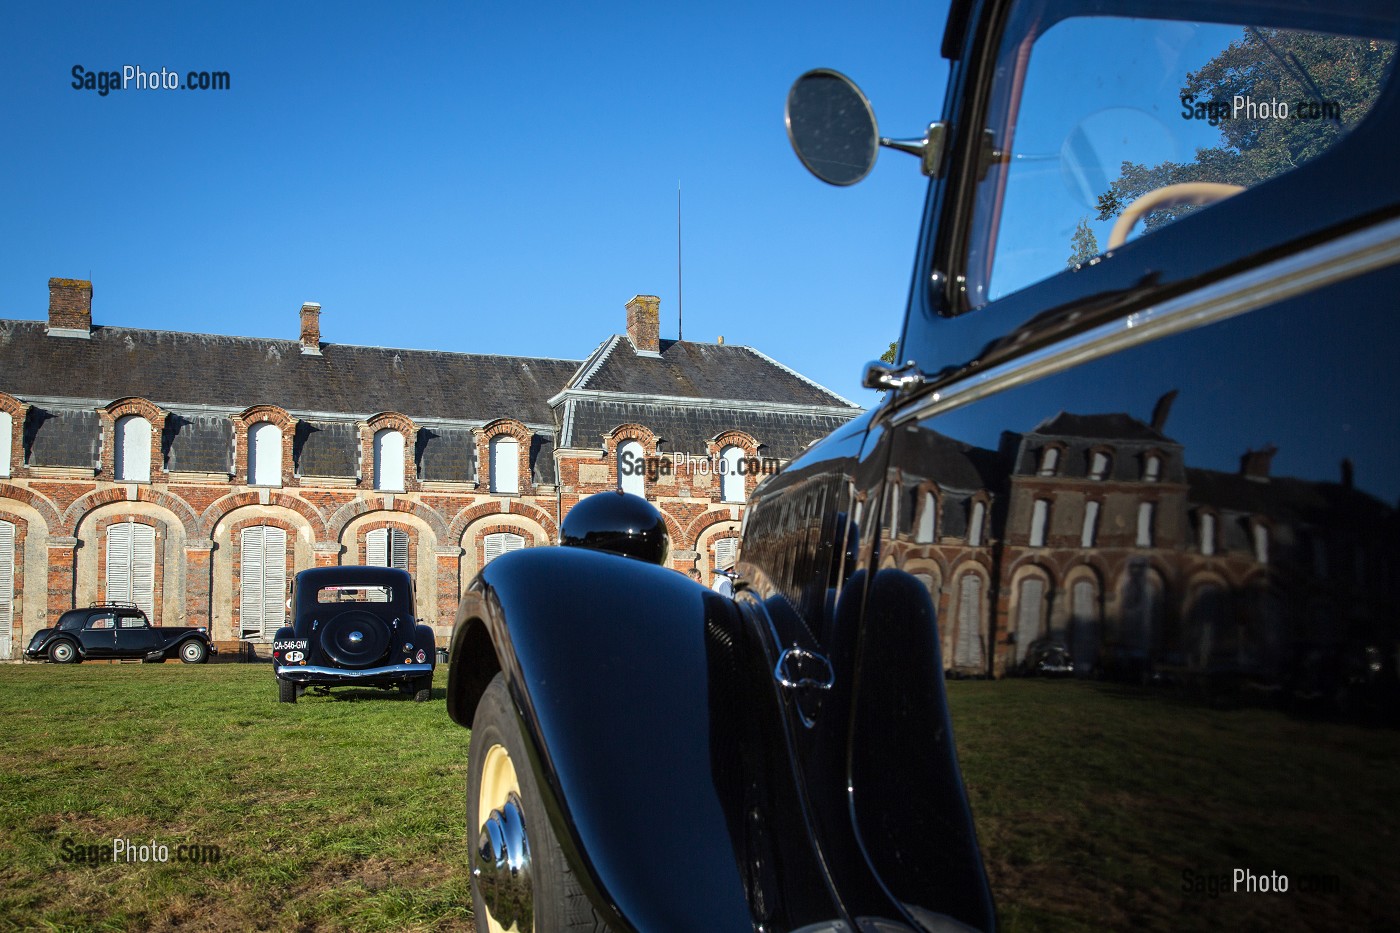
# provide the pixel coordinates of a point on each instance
(495, 178)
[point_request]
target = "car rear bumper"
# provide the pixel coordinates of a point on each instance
(317, 675)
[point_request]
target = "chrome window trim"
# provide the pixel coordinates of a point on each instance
(1345, 257)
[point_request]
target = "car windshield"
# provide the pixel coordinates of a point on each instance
(1106, 128)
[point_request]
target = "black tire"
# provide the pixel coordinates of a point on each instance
(194, 652)
(422, 689)
(287, 691)
(558, 902)
(64, 651)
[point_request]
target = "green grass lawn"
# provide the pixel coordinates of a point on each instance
(346, 812)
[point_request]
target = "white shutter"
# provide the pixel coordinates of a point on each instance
(493, 548)
(251, 581)
(968, 650)
(265, 455)
(119, 563)
(377, 548)
(631, 468)
(502, 542)
(505, 464)
(398, 549)
(974, 529)
(928, 525)
(7, 586)
(732, 483)
(143, 568)
(726, 551)
(1028, 615)
(1144, 524)
(133, 454)
(1091, 523)
(7, 429)
(274, 580)
(1040, 517)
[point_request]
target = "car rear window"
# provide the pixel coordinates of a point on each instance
(354, 593)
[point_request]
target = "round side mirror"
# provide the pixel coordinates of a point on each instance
(832, 127)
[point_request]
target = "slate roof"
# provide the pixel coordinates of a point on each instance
(198, 442)
(688, 430)
(700, 370)
(327, 448)
(1117, 426)
(63, 437)
(236, 372)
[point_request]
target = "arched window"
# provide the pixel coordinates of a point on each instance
(7, 430)
(262, 581)
(928, 519)
(1152, 468)
(388, 460)
(132, 458)
(1049, 461)
(974, 525)
(1084, 625)
(1030, 614)
(631, 468)
(7, 585)
(1089, 533)
(502, 542)
(731, 482)
(505, 465)
(1040, 520)
(1098, 465)
(131, 565)
(264, 454)
(967, 649)
(1146, 512)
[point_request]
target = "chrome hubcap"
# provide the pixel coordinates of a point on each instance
(501, 862)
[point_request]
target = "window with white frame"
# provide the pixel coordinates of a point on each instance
(7, 585)
(131, 565)
(974, 525)
(1146, 512)
(928, 519)
(262, 581)
(1049, 460)
(7, 430)
(631, 468)
(388, 460)
(132, 457)
(732, 481)
(1098, 465)
(1208, 533)
(501, 542)
(1089, 533)
(264, 454)
(1152, 468)
(505, 465)
(1040, 519)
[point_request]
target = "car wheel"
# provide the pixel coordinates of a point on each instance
(287, 691)
(519, 877)
(64, 651)
(422, 689)
(194, 652)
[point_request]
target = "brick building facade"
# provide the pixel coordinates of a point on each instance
(194, 474)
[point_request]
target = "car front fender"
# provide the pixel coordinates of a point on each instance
(605, 659)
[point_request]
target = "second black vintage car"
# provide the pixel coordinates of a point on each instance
(1146, 406)
(117, 630)
(353, 627)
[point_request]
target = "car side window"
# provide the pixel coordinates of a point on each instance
(1158, 120)
(134, 622)
(101, 622)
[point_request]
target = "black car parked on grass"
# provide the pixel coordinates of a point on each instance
(353, 627)
(117, 630)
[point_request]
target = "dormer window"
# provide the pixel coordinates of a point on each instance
(1152, 468)
(1208, 533)
(132, 457)
(265, 455)
(1049, 461)
(505, 465)
(388, 460)
(1261, 542)
(974, 525)
(1098, 464)
(631, 468)
(928, 520)
(732, 482)
(7, 429)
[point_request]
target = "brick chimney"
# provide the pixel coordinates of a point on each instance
(70, 308)
(311, 328)
(1255, 463)
(644, 323)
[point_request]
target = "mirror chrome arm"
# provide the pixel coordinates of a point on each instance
(929, 149)
(882, 375)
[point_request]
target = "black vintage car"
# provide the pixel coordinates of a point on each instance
(353, 627)
(117, 630)
(1167, 448)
